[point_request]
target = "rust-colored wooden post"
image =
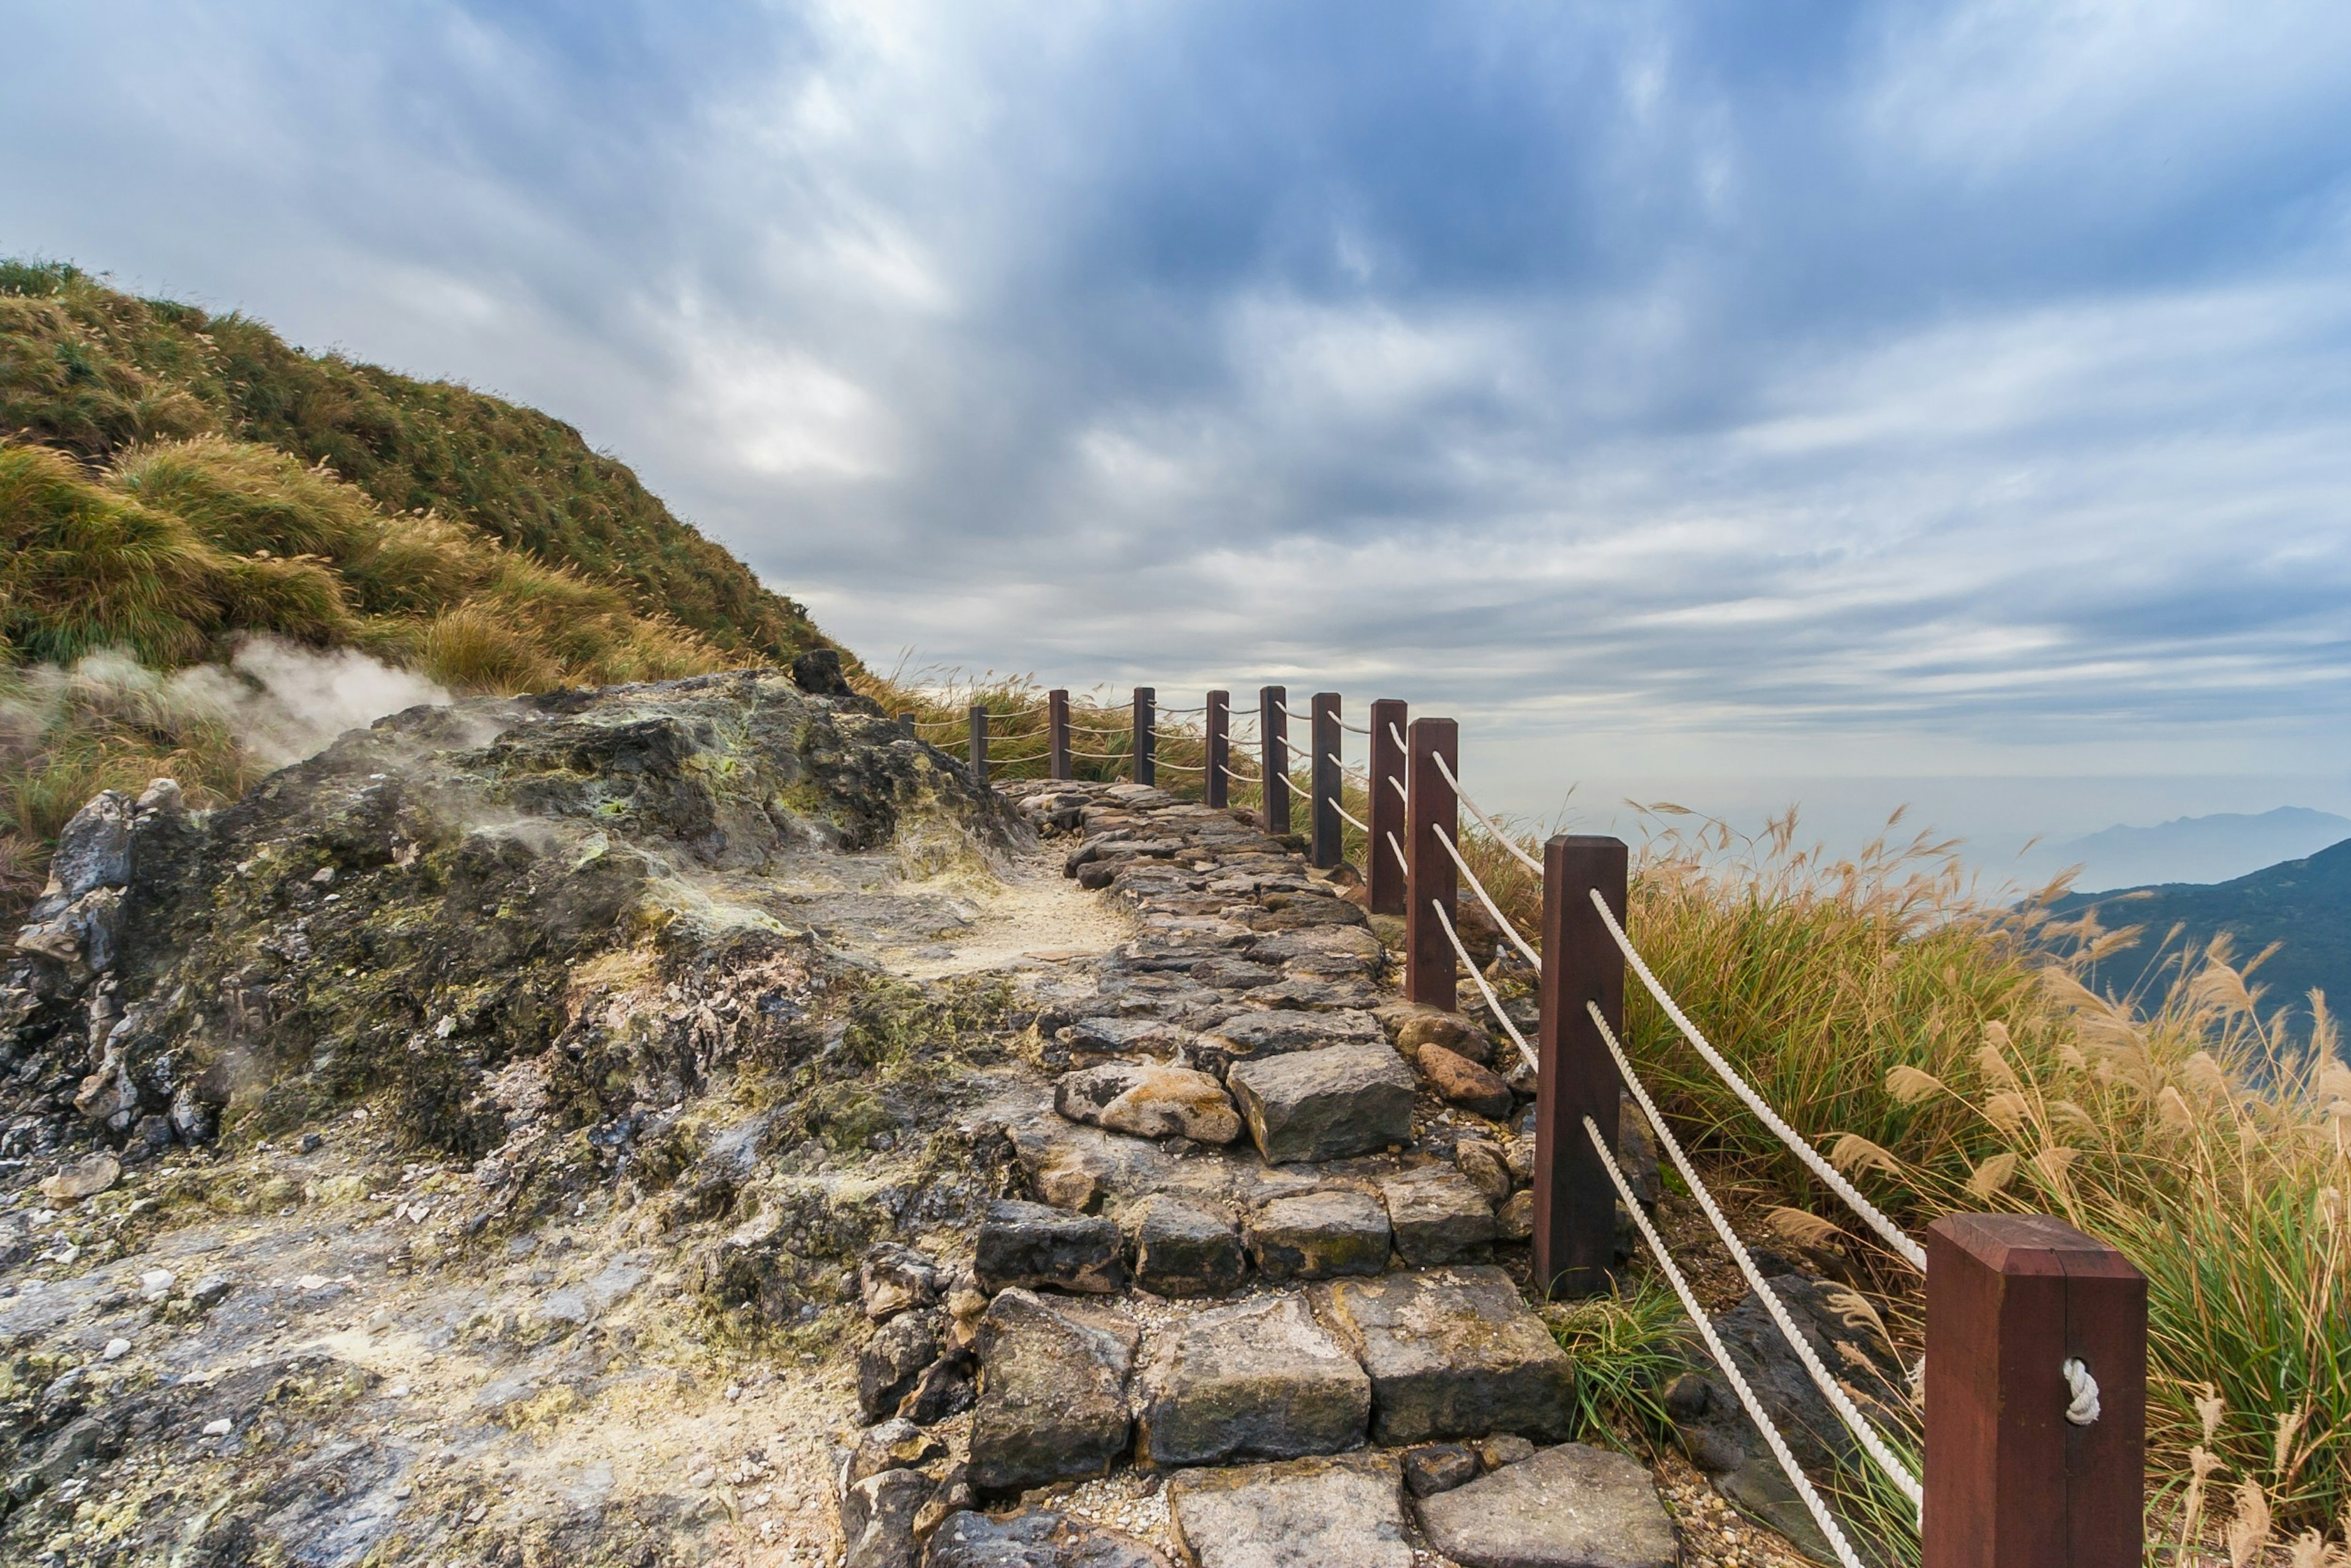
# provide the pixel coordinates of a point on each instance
(1218, 727)
(907, 723)
(1576, 1203)
(1146, 736)
(1432, 973)
(978, 752)
(2014, 1480)
(1324, 767)
(1273, 756)
(1386, 874)
(1056, 730)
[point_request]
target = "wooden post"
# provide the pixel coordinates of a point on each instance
(1385, 873)
(1323, 765)
(1056, 730)
(1273, 757)
(1432, 972)
(1146, 736)
(1218, 726)
(1576, 1203)
(907, 723)
(2011, 1481)
(978, 754)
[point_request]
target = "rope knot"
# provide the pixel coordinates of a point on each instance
(2082, 1408)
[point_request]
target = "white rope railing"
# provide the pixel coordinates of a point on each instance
(1396, 784)
(1908, 1250)
(1397, 736)
(1484, 821)
(1181, 767)
(1500, 921)
(1705, 1325)
(1830, 1390)
(1401, 859)
(1350, 817)
(1493, 1002)
(1355, 730)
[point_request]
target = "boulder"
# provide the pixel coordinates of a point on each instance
(1183, 1250)
(1319, 1235)
(1414, 1024)
(1515, 1220)
(1453, 1353)
(1052, 1392)
(1149, 1100)
(1306, 1513)
(1118, 1036)
(877, 1519)
(1438, 1217)
(1325, 1104)
(1032, 1244)
(1034, 1537)
(895, 1445)
(891, 1360)
(1460, 1081)
(1568, 1506)
(85, 1178)
(942, 1389)
(1257, 1380)
(893, 1278)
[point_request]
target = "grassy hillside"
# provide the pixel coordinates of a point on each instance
(2303, 905)
(90, 371)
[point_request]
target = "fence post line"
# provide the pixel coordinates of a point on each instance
(1432, 974)
(1387, 879)
(1218, 725)
(1057, 728)
(907, 723)
(1146, 736)
(1323, 764)
(1576, 1203)
(978, 752)
(1273, 757)
(2011, 1299)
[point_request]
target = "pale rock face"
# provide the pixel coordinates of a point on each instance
(1347, 1509)
(1149, 1100)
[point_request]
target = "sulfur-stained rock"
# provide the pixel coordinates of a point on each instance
(1568, 1506)
(891, 1360)
(1319, 1235)
(1032, 1244)
(1325, 1104)
(1452, 1352)
(1260, 1379)
(1181, 1249)
(893, 1278)
(894, 1444)
(1149, 1100)
(1052, 1392)
(1306, 1513)
(1438, 1217)
(877, 1519)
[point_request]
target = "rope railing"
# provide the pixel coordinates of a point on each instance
(1909, 1251)
(1351, 818)
(1493, 1002)
(1831, 1389)
(1501, 922)
(1401, 859)
(1484, 821)
(1705, 1325)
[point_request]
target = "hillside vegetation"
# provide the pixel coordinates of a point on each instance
(173, 484)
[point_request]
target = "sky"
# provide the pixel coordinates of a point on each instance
(1948, 402)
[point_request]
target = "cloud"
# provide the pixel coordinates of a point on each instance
(1961, 381)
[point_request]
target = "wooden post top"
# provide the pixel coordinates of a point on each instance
(2024, 1245)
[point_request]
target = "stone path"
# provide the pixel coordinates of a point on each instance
(1274, 1257)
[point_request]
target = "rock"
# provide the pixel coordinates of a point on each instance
(211, 1290)
(893, 1278)
(1052, 1392)
(1325, 1104)
(944, 1389)
(877, 1519)
(1032, 1245)
(1257, 1380)
(1229, 974)
(1846, 1332)
(1182, 1251)
(1319, 1235)
(1149, 1100)
(1259, 1034)
(1502, 1448)
(1414, 1024)
(891, 1360)
(896, 1444)
(1515, 1220)
(116, 1349)
(93, 849)
(1438, 1217)
(1519, 1153)
(1434, 1468)
(1308, 1513)
(1034, 1537)
(1453, 1353)
(1122, 1037)
(1482, 1162)
(85, 1178)
(154, 1285)
(1636, 1152)
(1568, 1506)
(1461, 1081)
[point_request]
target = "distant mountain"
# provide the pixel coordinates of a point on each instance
(2304, 904)
(2194, 849)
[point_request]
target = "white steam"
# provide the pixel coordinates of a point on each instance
(285, 703)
